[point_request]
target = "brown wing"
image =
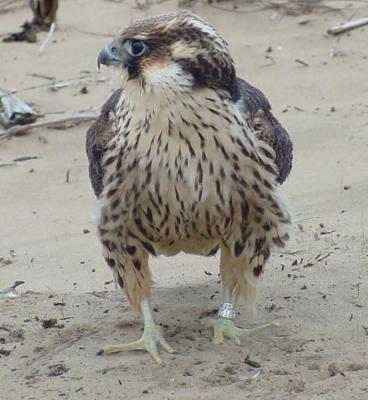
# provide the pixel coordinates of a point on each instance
(267, 128)
(98, 137)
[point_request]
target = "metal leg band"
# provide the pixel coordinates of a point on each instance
(227, 311)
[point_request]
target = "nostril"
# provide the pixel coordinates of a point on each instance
(113, 49)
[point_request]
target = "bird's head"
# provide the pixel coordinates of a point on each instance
(173, 53)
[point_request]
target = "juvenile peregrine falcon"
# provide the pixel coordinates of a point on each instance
(185, 157)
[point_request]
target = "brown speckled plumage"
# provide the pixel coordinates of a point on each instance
(254, 104)
(177, 161)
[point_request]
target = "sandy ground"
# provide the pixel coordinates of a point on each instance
(317, 289)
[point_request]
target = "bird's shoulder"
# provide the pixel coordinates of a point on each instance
(257, 110)
(98, 137)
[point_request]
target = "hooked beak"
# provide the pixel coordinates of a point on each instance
(112, 55)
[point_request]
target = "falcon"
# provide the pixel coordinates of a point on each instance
(185, 157)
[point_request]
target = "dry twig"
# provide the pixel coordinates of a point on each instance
(48, 38)
(348, 26)
(56, 123)
(44, 85)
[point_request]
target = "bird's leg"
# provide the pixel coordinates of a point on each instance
(224, 326)
(152, 336)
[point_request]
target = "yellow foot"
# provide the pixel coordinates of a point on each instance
(224, 327)
(151, 337)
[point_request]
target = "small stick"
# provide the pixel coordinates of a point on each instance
(357, 23)
(321, 259)
(292, 253)
(21, 129)
(302, 62)
(45, 85)
(48, 38)
(16, 284)
(49, 78)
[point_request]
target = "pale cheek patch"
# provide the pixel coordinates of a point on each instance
(122, 77)
(169, 77)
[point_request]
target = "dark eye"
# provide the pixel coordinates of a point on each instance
(135, 48)
(257, 126)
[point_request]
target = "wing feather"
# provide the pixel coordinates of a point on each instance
(258, 113)
(98, 137)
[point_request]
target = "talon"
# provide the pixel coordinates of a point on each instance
(159, 361)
